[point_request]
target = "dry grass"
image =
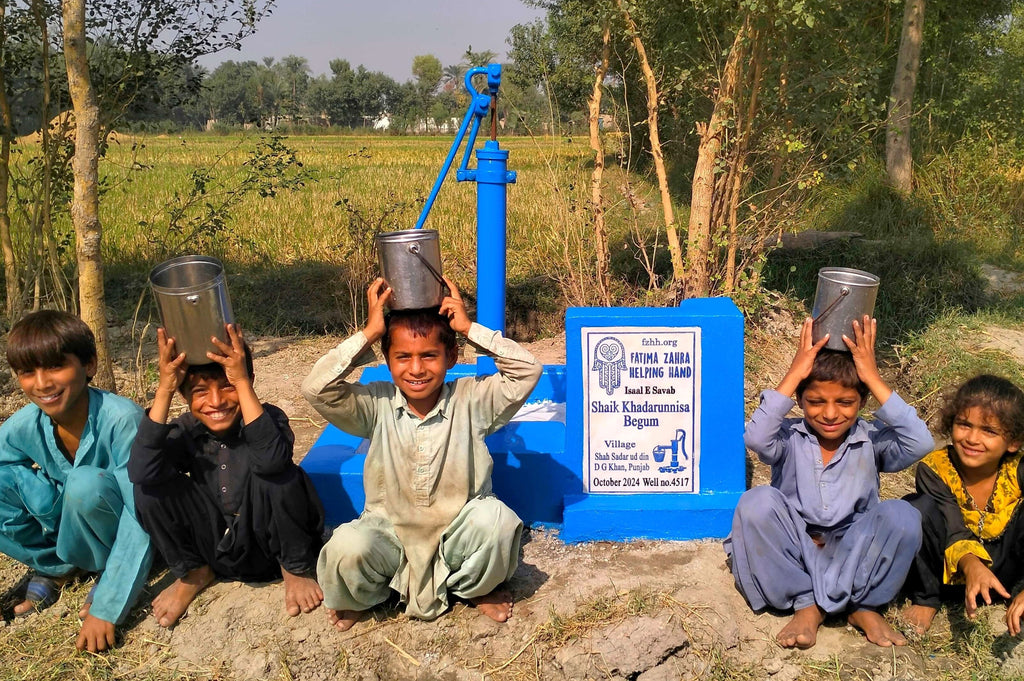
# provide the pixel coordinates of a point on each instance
(41, 647)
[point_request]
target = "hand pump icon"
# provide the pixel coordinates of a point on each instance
(676, 447)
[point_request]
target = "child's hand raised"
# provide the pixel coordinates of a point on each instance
(453, 308)
(863, 351)
(232, 356)
(803, 361)
(172, 363)
(377, 296)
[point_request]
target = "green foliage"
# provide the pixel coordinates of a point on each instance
(921, 277)
(427, 70)
(141, 55)
(556, 57)
(199, 218)
(975, 191)
(970, 73)
(862, 202)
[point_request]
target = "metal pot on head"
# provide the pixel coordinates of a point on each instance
(191, 295)
(410, 262)
(843, 295)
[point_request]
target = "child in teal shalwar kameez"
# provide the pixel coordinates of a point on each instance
(66, 504)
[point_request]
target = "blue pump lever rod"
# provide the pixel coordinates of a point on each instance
(491, 176)
(478, 106)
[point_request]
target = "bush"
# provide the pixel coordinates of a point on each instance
(976, 192)
(920, 279)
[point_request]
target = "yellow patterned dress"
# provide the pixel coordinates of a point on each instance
(989, 529)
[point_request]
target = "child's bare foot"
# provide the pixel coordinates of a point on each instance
(919, 617)
(301, 593)
(802, 630)
(343, 619)
(875, 628)
(171, 604)
(497, 605)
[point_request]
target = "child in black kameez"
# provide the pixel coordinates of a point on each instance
(969, 497)
(216, 488)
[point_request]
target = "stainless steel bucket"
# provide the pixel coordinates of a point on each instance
(843, 295)
(192, 296)
(410, 261)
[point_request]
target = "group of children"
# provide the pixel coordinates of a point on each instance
(820, 542)
(89, 483)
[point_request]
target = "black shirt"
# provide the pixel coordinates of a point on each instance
(220, 465)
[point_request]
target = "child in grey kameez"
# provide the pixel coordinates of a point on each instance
(431, 525)
(818, 540)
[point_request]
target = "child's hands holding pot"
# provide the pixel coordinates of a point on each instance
(453, 308)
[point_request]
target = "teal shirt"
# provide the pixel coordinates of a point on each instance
(28, 437)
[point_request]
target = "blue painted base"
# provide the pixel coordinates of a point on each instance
(605, 517)
(620, 517)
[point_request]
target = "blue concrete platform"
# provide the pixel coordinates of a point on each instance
(596, 517)
(718, 458)
(531, 472)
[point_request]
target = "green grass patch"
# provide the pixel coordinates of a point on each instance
(920, 279)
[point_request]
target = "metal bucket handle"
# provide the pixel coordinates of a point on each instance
(414, 248)
(843, 292)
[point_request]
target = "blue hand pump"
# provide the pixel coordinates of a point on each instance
(491, 176)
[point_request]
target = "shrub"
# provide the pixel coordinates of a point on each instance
(920, 279)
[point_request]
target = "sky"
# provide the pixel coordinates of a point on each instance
(384, 35)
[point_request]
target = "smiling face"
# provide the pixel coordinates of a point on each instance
(980, 440)
(418, 366)
(61, 390)
(214, 402)
(830, 410)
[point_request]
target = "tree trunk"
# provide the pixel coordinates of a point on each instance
(85, 203)
(49, 151)
(745, 128)
(600, 232)
(698, 247)
(11, 281)
(674, 247)
(899, 161)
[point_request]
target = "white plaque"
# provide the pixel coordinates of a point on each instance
(641, 401)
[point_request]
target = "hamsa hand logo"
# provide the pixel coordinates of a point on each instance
(609, 362)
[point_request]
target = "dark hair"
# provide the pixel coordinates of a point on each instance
(420, 322)
(834, 366)
(994, 394)
(212, 371)
(42, 339)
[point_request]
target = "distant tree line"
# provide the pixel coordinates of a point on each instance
(170, 93)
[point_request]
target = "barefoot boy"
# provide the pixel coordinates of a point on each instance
(818, 541)
(65, 499)
(216, 487)
(431, 526)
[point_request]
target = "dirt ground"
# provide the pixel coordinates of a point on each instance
(644, 610)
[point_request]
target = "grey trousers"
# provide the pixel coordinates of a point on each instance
(776, 563)
(364, 561)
